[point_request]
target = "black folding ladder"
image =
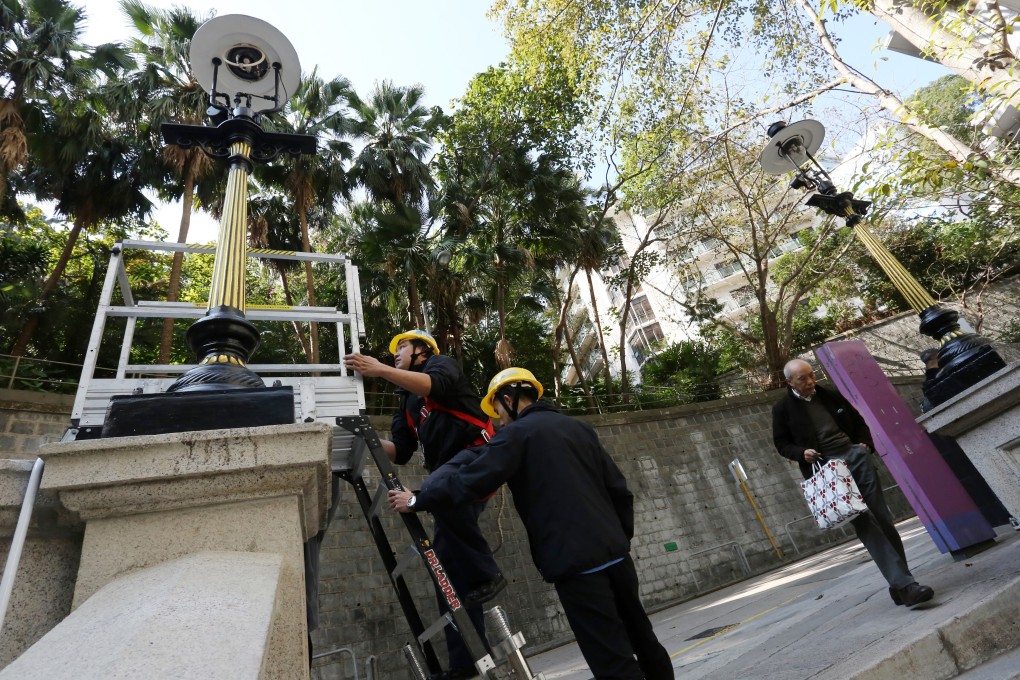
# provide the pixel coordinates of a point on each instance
(367, 445)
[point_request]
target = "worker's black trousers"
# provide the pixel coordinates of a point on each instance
(611, 626)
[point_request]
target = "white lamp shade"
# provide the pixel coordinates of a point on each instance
(790, 144)
(248, 48)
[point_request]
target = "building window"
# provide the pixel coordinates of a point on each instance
(744, 296)
(645, 341)
(727, 268)
(641, 311)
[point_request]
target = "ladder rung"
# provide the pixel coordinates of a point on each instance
(410, 558)
(437, 626)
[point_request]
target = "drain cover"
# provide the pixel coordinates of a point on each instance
(712, 631)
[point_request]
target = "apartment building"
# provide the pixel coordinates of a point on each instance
(659, 306)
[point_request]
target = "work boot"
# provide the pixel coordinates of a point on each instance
(484, 592)
(912, 595)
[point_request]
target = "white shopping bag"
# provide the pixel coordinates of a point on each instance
(832, 494)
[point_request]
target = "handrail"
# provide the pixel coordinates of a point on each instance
(341, 650)
(18, 541)
(744, 564)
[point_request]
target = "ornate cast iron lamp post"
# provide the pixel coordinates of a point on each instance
(245, 60)
(964, 358)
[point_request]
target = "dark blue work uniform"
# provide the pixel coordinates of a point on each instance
(579, 515)
(458, 539)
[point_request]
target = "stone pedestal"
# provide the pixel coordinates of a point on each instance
(44, 584)
(985, 421)
(150, 500)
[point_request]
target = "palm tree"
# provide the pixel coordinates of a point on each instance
(318, 108)
(600, 245)
(164, 89)
(391, 167)
(510, 207)
(39, 48)
(398, 132)
(95, 172)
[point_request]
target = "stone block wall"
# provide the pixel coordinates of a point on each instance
(895, 342)
(30, 419)
(695, 529)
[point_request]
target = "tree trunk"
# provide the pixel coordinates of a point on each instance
(289, 298)
(592, 408)
(602, 344)
(313, 327)
(894, 105)
(565, 308)
(415, 314)
(775, 357)
(167, 339)
(21, 344)
(966, 57)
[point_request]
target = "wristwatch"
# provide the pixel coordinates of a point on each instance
(411, 501)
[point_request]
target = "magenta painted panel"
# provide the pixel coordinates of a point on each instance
(952, 519)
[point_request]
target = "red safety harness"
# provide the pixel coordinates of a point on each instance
(486, 430)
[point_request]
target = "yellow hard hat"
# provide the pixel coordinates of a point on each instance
(506, 377)
(413, 335)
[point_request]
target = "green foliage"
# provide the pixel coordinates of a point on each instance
(688, 368)
(531, 337)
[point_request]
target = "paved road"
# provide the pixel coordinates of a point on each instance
(829, 617)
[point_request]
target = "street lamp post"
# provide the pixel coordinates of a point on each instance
(241, 62)
(245, 59)
(964, 358)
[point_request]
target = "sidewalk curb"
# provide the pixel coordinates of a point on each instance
(990, 628)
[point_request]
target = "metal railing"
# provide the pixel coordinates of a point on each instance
(370, 669)
(41, 375)
(18, 540)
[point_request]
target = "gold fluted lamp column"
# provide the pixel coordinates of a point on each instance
(964, 358)
(224, 339)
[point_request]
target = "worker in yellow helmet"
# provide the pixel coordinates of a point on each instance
(439, 410)
(579, 515)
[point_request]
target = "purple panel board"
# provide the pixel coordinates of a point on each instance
(952, 519)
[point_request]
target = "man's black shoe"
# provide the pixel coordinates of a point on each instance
(456, 674)
(484, 592)
(914, 594)
(894, 593)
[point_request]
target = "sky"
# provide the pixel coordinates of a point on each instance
(440, 44)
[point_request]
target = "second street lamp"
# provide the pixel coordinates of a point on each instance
(965, 358)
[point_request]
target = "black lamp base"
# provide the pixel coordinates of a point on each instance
(965, 359)
(965, 372)
(144, 414)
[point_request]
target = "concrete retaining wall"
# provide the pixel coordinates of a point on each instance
(30, 419)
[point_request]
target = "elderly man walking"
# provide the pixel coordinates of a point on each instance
(812, 424)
